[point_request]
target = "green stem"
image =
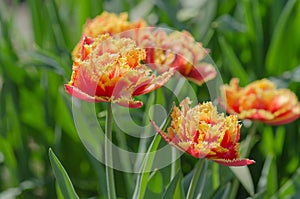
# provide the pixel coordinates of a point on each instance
(141, 184)
(108, 155)
(247, 145)
(249, 139)
(198, 170)
(175, 162)
(124, 157)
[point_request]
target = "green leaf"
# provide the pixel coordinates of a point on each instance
(37, 21)
(198, 180)
(255, 34)
(244, 176)
(227, 23)
(291, 188)
(222, 192)
(263, 180)
(142, 179)
(279, 140)
(9, 159)
(275, 52)
(267, 140)
(169, 192)
(272, 182)
(155, 182)
(234, 65)
(62, 177)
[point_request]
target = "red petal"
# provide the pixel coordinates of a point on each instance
(235, 163)
(202, 73)
(75, 92)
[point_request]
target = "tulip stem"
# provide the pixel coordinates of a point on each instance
(249, 139)
(198, 180)
(108, 155)
(247, 145)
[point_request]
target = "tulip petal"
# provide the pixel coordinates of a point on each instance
(81, 95)
(202, 73)
(235, 163)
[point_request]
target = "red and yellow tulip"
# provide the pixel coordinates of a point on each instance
(204, 133)
(262, 101)
(176, 50)
(108, 23)
(110, 70)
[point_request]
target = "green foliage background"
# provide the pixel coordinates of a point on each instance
(249, 39)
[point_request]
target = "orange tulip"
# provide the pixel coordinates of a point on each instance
(109, 70)
(203, 133)
(108, 23)
(177, 50)
(261, 100)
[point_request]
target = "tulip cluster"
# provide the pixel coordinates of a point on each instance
(109, 68)
(176, 50)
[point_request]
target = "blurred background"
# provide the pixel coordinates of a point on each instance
(249, 39)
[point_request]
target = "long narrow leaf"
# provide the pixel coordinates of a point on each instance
(198, 180)
(172, 186)
(62, 177)
(234, 64)
(290, 188)
(142, 180)
(244, 176)
(275, 49)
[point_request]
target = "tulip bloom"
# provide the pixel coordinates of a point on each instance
(178, 50)
(110, 70)
(262, 101)
(108, 23)
(203, 133)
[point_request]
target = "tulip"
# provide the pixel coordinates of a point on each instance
(204, 133)
(177, 50)
(262, 101)
(110, 70)
(108, 23)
